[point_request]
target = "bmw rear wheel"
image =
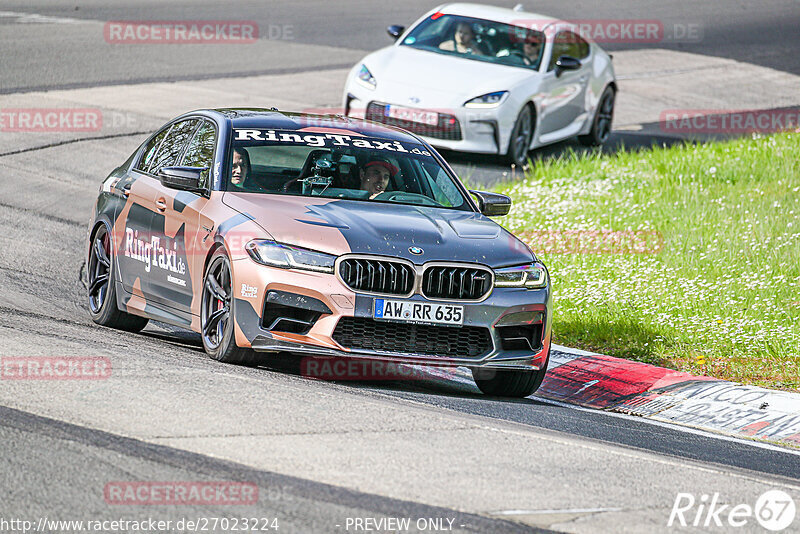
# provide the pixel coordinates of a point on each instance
(101, 287)
(216, 314)
(520, 141)
(603, 117)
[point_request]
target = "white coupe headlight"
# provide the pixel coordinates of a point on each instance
(489, 100)
(275, 254)
(366, 78)
(530, 276)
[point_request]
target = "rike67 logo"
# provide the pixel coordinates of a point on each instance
(774, 510)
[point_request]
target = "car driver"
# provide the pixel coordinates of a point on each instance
(375, 176)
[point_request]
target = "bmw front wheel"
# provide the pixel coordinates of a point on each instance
(216, 314)
(507, 383)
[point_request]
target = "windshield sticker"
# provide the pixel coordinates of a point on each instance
(326, 140)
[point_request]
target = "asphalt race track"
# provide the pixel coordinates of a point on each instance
(322, 454)
(759, 32)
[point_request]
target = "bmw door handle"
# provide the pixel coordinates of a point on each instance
(126, 190)
(161, 204)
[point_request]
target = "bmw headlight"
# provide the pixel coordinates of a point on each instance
(531, 276)
(490, 100)
(366, 78)
(274, 254)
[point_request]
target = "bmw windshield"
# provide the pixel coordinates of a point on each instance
(477, 39)
(334, 165)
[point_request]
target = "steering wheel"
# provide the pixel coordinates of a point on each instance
(519, 55)
(403, 196)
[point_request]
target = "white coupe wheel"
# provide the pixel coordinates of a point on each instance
(521, 136)
(603, 117)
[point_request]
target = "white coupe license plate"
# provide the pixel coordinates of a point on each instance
(418, 312)
(431, 118)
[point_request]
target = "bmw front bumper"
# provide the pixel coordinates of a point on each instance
(503, 314)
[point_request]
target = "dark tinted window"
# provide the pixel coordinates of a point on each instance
(292, 162)
(173, 145)
(200, 152)
(150, 150)
(581, 47)
(568, 44)
(490, 41)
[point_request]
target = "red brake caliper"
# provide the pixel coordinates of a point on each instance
(219, 305)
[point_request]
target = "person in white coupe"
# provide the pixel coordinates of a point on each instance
(532, 47)
(463, 41)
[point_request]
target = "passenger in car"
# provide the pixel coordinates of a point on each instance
(375, 175)
(532, 48)
(240, 167)
(463, 41)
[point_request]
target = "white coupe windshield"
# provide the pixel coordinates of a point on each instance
(480, 40)
(331, 165)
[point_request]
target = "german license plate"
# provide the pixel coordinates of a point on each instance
(431, 118)
(418, 312)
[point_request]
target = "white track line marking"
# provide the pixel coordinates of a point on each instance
(566, 511)
(35, 18)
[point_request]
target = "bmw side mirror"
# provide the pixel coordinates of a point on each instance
(183, 178)
(395, 31)
(492, 204)
(566, 63)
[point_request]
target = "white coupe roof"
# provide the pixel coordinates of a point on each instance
(498, 14)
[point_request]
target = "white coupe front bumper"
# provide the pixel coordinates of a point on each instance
(476, 130)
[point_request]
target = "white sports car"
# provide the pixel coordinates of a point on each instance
(489, 80)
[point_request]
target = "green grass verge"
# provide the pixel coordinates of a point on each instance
(722, 295)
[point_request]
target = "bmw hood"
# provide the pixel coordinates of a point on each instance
(347, 226)
(436, 79)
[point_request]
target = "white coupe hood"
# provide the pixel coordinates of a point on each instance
(437, 80)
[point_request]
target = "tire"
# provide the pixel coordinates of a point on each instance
(217, 312)
(518, 384)
(102, 287)
(520, 142)
(603, 118)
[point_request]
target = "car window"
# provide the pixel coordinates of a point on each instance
(340, 166)
(444, 190)
(580, 48)
(200, 152)
(434, 29)
(173, 145)
(150, 150)
(567, 43)
(478, 39)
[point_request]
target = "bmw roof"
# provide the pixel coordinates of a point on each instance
(259, 118)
